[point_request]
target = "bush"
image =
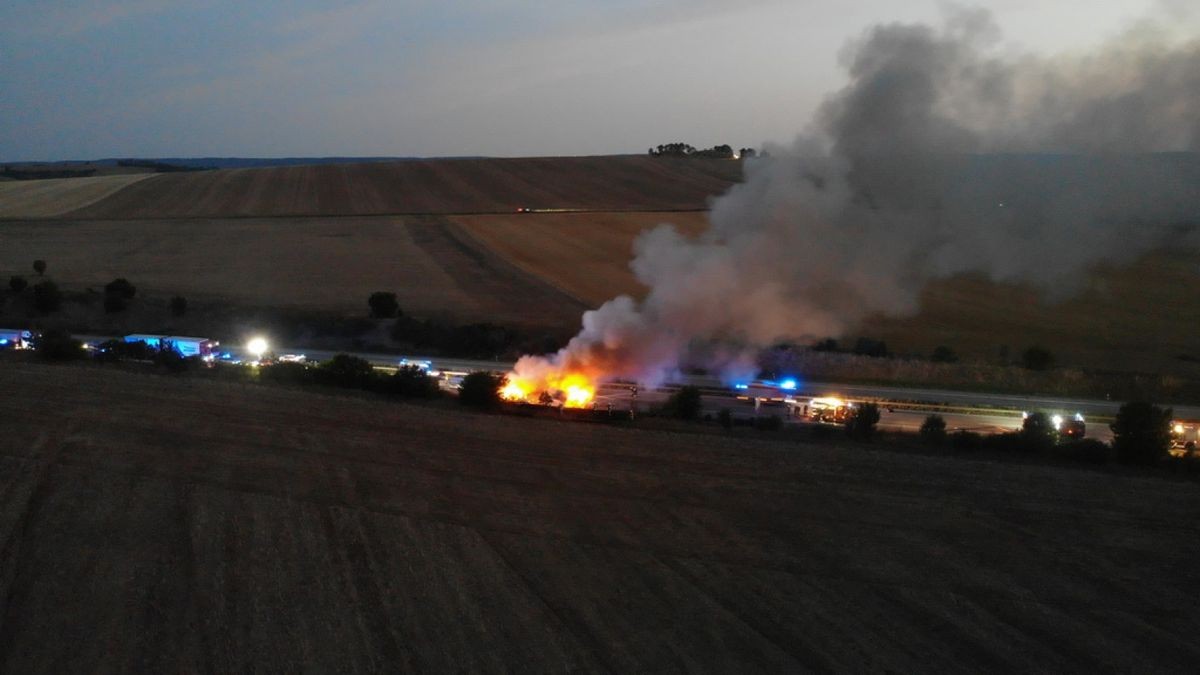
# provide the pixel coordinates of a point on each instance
(1036, 358)
(114, 304)
(966, 440)
(684, 404)
(172, 360)
(943, 354)
(383, 305)
(1141, 433)
(39, 266)
(46, 297)
(178, 306)
(410, 382)
(344, 370)
(1011, 442)
(17, 283)
(120, 288)
(861, 425)
(725, 418)
(58, 345)
(287, 373)
(826, 345)
(1037, 433)
(477, 341)
(868, 347)
(480, 390)
(933, 430)
(118, 350)
(1086, 450)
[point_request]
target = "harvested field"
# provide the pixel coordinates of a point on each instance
(160, 524)
(427, 186)
(311, 263)
(1141, 317)
(56, 196)
(585, 254)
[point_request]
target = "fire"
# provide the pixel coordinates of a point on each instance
(578, 390)
(573, 390)
(515, 389)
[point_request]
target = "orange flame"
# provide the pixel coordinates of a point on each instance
(515, 389)
(572, 390)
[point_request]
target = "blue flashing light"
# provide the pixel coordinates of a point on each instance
(3, 341)
(741, 386)
(788, 384)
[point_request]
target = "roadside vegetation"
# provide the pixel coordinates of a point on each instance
(1141, 430)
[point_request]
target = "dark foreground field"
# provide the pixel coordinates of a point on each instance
(160, 525)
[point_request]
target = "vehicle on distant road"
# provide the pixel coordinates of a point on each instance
(1184, 434)
(823, 410)
(15, 338)
(424, 366)
(186, 346)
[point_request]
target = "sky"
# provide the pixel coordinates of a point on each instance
(86, 79)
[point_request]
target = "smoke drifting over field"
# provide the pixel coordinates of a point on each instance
(943, 155)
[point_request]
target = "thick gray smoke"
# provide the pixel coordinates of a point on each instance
(943, 155)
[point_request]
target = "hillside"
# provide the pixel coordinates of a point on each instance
(164, 525)
(56, 196)
(435, 267)
(457, 248)
(426, 187)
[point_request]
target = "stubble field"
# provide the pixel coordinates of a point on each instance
(426, 186)
(56, 196)
(585, 254)
(158, 524)
(301, 263)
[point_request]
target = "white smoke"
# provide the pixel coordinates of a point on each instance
(943, 155)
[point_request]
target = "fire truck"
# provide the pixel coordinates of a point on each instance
(1184, 434)
(823, 410)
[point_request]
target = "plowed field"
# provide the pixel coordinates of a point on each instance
(427, 186)
(156, 524)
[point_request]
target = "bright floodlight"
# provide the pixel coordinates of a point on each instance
(1057, 420)
(257, 346)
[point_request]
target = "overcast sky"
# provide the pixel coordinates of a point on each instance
(156, 78)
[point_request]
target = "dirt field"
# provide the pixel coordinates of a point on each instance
(163, 525)
(585, 254)
(427, 186)
(56, 196)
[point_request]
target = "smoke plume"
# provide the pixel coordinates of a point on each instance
(944, 154)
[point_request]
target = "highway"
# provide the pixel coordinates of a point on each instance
(901, 408)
